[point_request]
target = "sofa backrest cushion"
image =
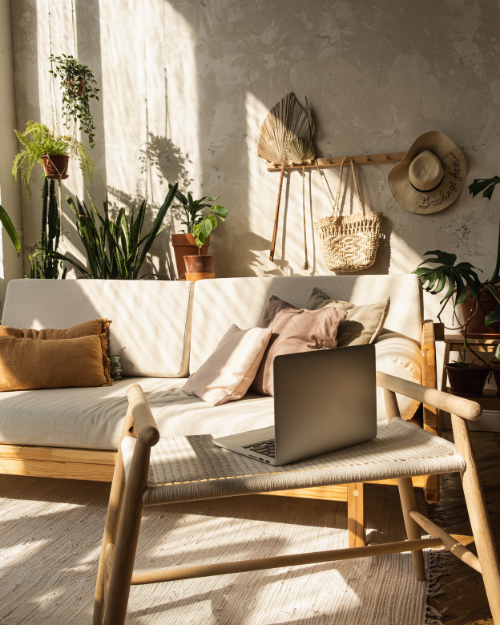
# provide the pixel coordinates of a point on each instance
(150, 320)
(220, 303)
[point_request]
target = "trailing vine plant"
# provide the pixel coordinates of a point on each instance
(77, 83)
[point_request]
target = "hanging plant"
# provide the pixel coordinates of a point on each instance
(78, 87)
(41, 145)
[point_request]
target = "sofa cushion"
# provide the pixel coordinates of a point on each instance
(36, 364)
(363, 323)
(229, 371)
(92, 418)
(243, 300)
(150, 326)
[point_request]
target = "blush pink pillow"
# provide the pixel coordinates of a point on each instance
(228, 373)
(295, 330)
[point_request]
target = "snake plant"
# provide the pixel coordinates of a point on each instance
(116, 249)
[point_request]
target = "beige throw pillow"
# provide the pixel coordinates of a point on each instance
(294, 331)
(228, 373)
(363, 324)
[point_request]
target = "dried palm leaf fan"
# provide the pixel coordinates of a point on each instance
(299, 151)
(285, 122)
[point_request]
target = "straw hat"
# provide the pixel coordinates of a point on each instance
(431, 175)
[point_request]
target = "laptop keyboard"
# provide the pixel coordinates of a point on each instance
(266, 448)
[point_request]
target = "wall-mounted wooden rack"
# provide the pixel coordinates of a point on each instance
(335, 161)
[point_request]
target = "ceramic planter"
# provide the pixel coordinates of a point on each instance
(199, 264)
(56, 166)
(199, 268)
(70, 86)
(184, 245)
(476, 329)
(467, 380)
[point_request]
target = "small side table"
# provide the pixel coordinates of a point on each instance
(454, 341)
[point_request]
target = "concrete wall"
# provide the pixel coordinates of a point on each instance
(11, 266)
(186, 86)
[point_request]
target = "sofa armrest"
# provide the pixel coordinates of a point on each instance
(144, 422)
(464, 408)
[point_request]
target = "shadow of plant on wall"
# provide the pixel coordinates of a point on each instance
(167, 159)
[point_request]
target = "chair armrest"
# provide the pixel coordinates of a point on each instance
(144, 422)
(458, 406)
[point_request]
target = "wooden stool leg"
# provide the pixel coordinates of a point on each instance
(128, 536)
(111, 525)
(479, 519)
(408, 503)
(356, 514)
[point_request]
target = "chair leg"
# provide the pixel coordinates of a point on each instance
(128, 537)
(408, 503)
(111, 525)
(356, 514)
(479, 519)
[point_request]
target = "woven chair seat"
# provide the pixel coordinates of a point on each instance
(192, 467)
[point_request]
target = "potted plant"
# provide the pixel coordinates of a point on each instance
(184, 243)
(77, 83)
(199, 267)
(116, 249)
(40, 145)
(478, 302)
(466, 378)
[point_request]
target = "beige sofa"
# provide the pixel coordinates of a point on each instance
(164, 331)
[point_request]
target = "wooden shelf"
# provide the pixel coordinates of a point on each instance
(336, 161)
(488, 400)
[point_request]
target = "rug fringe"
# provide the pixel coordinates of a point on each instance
(433, 616)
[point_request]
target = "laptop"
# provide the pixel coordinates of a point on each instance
(323, 400)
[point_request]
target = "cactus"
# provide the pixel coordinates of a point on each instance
(44, 264)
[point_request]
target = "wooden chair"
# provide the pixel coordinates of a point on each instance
(152, 471)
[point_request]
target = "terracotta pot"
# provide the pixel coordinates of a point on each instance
(467, 380)
(486, 304)
(495, 367)
(70, 87)
(199, 264)
(56, 166)
(194, 277)
(184, 245)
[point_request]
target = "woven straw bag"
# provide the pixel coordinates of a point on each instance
(348, 243)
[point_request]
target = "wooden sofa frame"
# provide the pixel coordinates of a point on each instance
(96, 465)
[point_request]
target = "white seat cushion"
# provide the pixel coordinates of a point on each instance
(92, 418)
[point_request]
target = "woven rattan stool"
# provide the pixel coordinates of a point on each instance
(151, 471)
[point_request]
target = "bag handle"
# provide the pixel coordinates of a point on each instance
(337, 208)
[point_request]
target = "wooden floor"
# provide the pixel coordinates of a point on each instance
(464, 595)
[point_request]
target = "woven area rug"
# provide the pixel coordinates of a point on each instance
(50, 533)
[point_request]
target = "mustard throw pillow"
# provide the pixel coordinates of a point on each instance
(26, 364)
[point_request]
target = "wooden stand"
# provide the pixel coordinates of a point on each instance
(454, 341)
(336, 161)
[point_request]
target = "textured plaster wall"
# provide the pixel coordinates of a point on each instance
(186, 85)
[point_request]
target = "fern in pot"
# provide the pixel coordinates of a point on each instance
(41, 145)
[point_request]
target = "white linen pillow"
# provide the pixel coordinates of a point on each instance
(228, 373)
